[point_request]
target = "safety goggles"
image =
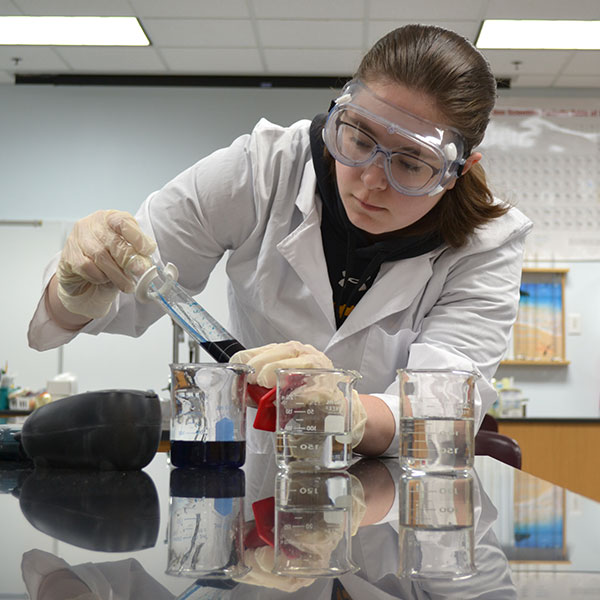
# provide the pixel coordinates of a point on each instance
(419, 157)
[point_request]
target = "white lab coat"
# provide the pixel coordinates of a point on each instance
(256, 200)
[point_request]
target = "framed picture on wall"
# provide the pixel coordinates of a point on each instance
(538, 335)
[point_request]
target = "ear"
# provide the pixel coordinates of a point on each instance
(473, 159)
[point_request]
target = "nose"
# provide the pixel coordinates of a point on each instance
(373, 175)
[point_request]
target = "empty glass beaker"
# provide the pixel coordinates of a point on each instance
(313, 524)
(314, 418)
(437, 419)
(436, 526)
(206, 524)
(208, 414)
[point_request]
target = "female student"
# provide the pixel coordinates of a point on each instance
(368, 236)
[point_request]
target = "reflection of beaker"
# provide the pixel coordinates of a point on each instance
(206, 523)
(437, 420)
(208, 415)
(314, 418)
(313, 518)
(436, 527)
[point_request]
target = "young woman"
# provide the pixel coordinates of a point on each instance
(368, 235)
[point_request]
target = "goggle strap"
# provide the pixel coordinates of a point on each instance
(343, 99)
(436, 190)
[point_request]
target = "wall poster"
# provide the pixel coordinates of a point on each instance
(547, 163)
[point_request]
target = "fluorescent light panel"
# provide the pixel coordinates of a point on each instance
(539, 34)
(71, 31)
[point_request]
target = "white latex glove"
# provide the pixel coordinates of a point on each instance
(318, 542)
(90, 272)
(294, 355)
(289, 355)
(261, 562)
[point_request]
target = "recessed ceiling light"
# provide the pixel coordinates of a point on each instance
(539, 34)
(71, 31)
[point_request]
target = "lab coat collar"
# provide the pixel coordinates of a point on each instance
(303, 247)
(395, 288)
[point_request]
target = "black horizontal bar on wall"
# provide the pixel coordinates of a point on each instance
(257, 81)
(277, 81)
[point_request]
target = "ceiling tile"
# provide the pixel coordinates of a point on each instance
(239, 61)
(583, 62)
(538, 62)
(522, 80)
(419, 12)
(112, 60)
(237, 9)
(578, 81)
(542, 9)
(199, 33)
(33, 58)
(284, 61)
(310, 34)
(98, 8)
(377, 29)
(308, 9)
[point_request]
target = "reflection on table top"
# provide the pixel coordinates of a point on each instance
(144, 534)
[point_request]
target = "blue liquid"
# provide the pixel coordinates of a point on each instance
(192, 455)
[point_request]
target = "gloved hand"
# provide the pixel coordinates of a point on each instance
(261, 562)
(288, 355)
(318, 542)
(294, 355)
(90, 272)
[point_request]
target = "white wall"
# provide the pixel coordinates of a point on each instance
(572, 391)
(67, 151)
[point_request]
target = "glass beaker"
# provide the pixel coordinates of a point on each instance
(313, 524)
(436, 526)
(206, 523)
(314, 418)
(437, 420)
(208, 414)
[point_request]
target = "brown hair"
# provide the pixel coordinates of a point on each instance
(450, 70)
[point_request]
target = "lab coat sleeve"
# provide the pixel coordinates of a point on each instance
(468, 326)
(214, 206)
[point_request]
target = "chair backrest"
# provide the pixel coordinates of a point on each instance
(489, 423)
(498, 446)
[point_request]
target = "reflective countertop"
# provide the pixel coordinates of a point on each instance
(148, 534)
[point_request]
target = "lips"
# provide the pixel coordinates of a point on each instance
(368, 207)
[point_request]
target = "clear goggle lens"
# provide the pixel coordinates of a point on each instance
(408, 167)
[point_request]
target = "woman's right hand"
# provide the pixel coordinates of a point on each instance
(90, 272)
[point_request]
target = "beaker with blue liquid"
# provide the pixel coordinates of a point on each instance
(208, 415)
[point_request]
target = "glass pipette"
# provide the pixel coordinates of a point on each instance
(160, 285)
